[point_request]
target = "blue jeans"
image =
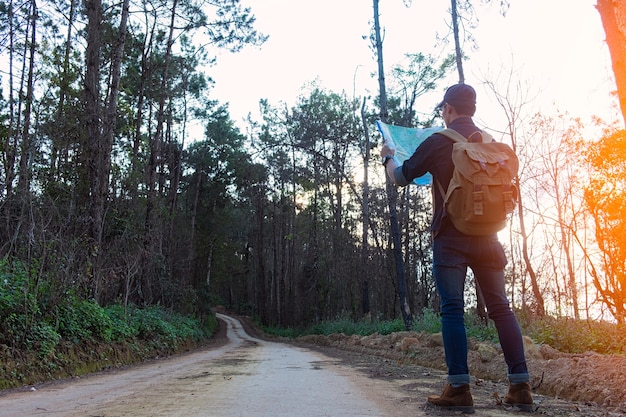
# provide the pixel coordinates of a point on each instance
(453, 253)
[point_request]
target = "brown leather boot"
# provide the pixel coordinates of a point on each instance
(520, 396)
(457, 399)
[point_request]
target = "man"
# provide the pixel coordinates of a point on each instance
(453, 252)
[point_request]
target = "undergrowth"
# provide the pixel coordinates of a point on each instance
(44, 334)
(563, 334)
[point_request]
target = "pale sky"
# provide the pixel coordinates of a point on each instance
(556, 47)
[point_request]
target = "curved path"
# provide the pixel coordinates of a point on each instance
(245, 377)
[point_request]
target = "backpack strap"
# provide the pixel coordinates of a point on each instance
(454, 135)
(477, 136)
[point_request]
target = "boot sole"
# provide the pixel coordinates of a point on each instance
(463, 408)
(522, 407)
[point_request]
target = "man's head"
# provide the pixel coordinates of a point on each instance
(462, 97)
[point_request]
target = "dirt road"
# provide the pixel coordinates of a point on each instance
(254, 378)
(245, 377)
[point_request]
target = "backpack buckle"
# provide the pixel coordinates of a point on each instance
(509, 203)
(478, 203)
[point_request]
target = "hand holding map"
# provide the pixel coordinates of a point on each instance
(405, 140)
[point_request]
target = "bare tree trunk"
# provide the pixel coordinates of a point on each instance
(613, 15)
(23, 184)
(297, 293)
(177, 159)
(10, 147)
(365, 289)
(63, 90)
(136, 166)
(194, 216)
(512, 111)
(111, 108)
(540, 307)
(392, 193)
(152, 239)
(93, 129)
(102, 157)
(209, 263)
(259, 249)
(19, 212)
(481, 308)
(457, 41)
(565, 244)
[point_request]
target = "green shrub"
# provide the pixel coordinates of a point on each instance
(167, 329)
(150, 323)
(96, 320)
(287, 332)
(121, 325)
(577, 336)
(209, 325)
(83, 320)
(18, 304)
(186, 328)
(428, 322)
(340, 325)
(390, 326)
(477, 329)
(43, 339)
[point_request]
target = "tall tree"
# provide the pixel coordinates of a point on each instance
(463, 18)
(458, 52)
(511, 107)
(410, 81)
(392, 193)
(100, 124)
(102, 158)
(152, 238)
(365, 275)
(605, 196)
(25, 154)
(19, 19)
(221, 192)
(613, 15)
(62, 128)
(93, 129)
(557, 177)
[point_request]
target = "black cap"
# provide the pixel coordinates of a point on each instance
(462, 97)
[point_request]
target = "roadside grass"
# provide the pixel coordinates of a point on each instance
(564, 334)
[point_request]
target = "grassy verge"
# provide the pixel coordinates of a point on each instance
(563, 334)
(47, 332)
(90, 338)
